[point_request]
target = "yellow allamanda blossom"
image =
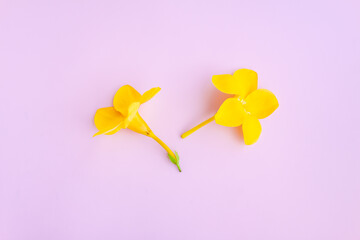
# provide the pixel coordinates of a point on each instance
(245, 108)
(124, 114)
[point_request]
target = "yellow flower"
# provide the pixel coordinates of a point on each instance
(245, 108)
(124, 114)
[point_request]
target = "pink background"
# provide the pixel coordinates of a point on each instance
(62, 60)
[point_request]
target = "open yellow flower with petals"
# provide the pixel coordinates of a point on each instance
(245, 108)
(124, 114)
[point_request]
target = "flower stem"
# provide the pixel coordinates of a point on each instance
(184, 135)
(162, 144)
(172, 156)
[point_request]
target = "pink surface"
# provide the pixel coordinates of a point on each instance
(62, 60)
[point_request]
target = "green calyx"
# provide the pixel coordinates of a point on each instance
(175, 160)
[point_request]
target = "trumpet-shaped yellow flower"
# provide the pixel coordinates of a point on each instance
(124, 114)
(247, 105)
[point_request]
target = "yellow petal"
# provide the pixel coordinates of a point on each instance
(251, 130)
(108, 121)
(247, 81)
(261, 103)
(139, 125)
(125, 96)
(241, 83)
(149, 94)
(132, 111)
(225, 83)
(231, 113)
